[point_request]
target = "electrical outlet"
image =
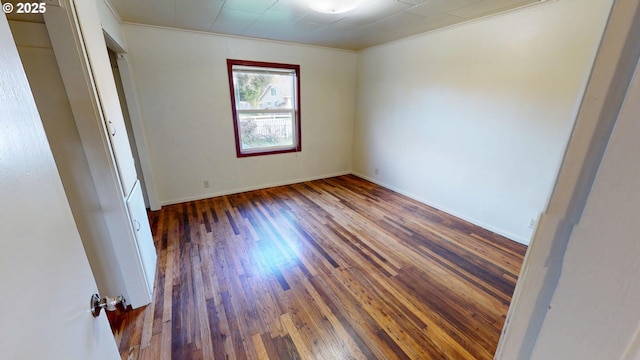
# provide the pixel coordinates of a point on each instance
(375, 171)
(532, 223)
(206, 184)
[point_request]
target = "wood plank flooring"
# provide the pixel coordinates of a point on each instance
(330, 269)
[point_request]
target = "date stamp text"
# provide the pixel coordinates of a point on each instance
(24, 8)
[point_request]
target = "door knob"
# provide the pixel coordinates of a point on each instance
(107, 303)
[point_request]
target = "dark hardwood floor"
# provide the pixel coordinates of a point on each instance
(330, 269)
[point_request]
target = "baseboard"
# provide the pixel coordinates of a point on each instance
(250, 188)
(464, 217)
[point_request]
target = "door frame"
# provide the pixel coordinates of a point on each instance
(135, 116)
(78, 42)
(609, 80)
(115, 40)
(46, 278)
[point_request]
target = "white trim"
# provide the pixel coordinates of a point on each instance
(251, 188)
(462, 23)
(135, 115)
(482, 224)
(540, 274)
(633, 350)
(211, 33)
(399, 191)
(113, 11)
(78, 43)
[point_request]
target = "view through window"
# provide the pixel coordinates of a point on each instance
(265, 102)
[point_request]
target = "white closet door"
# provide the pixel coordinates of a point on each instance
(121, 151)
(144, 238)
(108, 96)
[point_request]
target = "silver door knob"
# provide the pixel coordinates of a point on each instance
(107, 303)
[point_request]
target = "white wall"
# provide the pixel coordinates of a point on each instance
(594, 311)
(474, 119)
(543, 266)
(182, 83)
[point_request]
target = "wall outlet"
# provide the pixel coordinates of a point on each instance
(376, 171)
(206, 184)
(532, 223)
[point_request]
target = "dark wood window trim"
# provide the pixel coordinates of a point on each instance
(297, 122)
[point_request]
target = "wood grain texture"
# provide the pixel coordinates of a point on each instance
(331, 269)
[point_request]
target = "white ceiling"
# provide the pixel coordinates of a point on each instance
(373, 22)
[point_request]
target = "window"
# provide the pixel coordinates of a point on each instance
(265, 100)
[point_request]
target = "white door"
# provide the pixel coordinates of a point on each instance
(144, 238)
(96, 49)
(45, 280)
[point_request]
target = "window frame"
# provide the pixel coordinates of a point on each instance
(297, 132)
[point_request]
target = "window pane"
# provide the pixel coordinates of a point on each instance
(256, 90)
(260, 130)
(265, 98)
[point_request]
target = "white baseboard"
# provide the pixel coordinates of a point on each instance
(482, 224)
(250, 188)
(464, 217)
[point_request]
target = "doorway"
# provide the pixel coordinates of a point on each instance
(113, 59)
(74, 113)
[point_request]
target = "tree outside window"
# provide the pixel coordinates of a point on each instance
(265, 104)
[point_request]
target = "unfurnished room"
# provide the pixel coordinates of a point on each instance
(320, 179)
